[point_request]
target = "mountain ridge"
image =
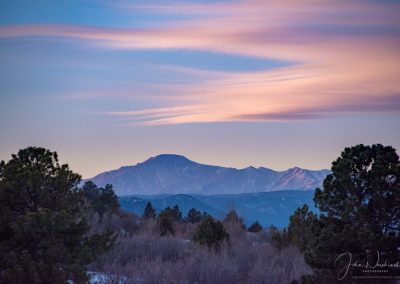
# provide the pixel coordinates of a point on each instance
(176, 174)
(268, 208)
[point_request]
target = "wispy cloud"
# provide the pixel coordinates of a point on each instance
(346, 56)
(388, 104)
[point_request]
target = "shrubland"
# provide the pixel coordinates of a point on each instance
(55, 230)
(202, 252)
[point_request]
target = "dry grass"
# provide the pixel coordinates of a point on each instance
(144, 257)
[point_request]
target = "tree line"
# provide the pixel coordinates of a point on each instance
(46, 231)
(168, 216)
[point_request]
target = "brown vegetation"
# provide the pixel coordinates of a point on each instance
(146, 257)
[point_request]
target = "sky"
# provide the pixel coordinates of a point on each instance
(232, 83)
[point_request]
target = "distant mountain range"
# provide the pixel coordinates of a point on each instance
(174, 174)
(269, 208)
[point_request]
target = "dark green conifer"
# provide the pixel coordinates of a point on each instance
(255, 227)
(149, 211)
(194, 216)
(211, 233)
(360, 212)
(43, 231)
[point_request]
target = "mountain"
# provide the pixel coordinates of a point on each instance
(185, 202)
(269, 208)
(173, 174)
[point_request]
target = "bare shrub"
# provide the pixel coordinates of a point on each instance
(145, 257)
(185, 230)
(121, 223)
(235, 226)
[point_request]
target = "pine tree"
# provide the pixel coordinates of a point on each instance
(211, 233)
(176, 213)
(149, 211)
(42, 221)
(194, 216)
(359, 206)
(302, 226)
(255, 227)
(360, 212)
(164, 222)
(102, 200)
(279, 238)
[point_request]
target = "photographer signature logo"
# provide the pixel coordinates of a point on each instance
(345, 261)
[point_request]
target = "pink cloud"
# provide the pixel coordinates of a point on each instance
(335, 71)
(382, 104)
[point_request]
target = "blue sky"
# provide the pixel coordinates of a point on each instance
(233, 83)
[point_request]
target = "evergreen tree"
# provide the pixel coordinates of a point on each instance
(211, 233)
(90, 191)
(360, 212)
(108, 199)
(42, 226)
(359, 206)
(176, 213)
(194, 216)
(302, 228)
(166, 218)
(255, 227)
(102, 200)
(204, 215)
(149, 211)
(164, 222)
(279, 238)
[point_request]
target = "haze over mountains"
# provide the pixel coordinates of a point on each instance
(175, 174)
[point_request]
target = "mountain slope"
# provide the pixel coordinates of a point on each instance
(173, 174)
(269, 208)
(185, 202)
